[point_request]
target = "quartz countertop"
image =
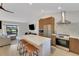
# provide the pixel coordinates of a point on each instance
(67, 37)
(75, 37)
(38, 40)
(63, 37)
(42, 43)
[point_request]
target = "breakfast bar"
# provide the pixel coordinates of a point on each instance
(42, 43)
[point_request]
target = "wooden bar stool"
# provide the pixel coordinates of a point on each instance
(31, 50)
(23, 43)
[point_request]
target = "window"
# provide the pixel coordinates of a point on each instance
(11, 29)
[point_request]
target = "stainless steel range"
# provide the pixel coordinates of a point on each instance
(63, 41)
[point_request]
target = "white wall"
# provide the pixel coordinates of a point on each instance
(71, 29)
(23, 27)
(73, 16)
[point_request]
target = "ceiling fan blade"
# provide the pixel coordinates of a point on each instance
(7, 10)
(1, 4)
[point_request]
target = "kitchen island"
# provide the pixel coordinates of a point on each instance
(43, 43)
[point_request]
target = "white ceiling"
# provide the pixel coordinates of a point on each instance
(24, 12)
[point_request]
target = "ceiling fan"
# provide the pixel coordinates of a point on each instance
(1, 7)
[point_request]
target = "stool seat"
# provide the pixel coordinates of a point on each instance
(32, 50)
(21, 46)
(28, 48)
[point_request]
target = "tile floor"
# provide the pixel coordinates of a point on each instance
(11, 50)
(61, 52)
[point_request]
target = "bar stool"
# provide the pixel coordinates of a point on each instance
(31, 50)
(22, 44)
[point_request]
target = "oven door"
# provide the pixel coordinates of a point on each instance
(61, 42)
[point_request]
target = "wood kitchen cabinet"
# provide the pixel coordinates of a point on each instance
(74, 45)
(47, 26)
(53, 39)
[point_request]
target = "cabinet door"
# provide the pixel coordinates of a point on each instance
(53, 40)
(74, 45)
(47, 30)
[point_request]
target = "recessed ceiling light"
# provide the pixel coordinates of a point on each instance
(59, 8)
(30, 3)
(42, 11)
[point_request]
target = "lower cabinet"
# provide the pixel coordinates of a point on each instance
(74, 45)
(53, 40)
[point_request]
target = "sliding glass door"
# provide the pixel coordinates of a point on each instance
(11, 30)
